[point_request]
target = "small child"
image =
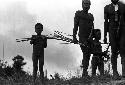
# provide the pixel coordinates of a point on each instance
(97, 59)
(39, 43)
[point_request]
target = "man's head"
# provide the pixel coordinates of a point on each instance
(114, 1)
(86, 5)
(38, 28)
(97, 34)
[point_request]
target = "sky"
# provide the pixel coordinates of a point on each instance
(17, 20)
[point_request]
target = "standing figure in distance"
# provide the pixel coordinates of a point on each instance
(84, 21)
(39, 43)
(114, 24)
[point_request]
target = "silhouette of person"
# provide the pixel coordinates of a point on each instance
(84, 21)
(97, 59)
(39, 42)
(114, 24)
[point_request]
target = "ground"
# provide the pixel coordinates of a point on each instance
(73, 81)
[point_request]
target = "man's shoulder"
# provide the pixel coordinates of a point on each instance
(78, 12)
(90, 14)
(107, 6)
(91, 17)
(122, 5)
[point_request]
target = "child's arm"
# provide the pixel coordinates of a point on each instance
(45, 42)
(32, 40)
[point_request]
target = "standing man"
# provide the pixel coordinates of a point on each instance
(84, 21)
(114, 24)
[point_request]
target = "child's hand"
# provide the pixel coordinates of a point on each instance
(105, 40)
(31, 42)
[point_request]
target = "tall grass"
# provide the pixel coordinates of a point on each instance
(26, 79)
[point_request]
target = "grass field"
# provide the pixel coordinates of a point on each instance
(27, 80)
(10, 76)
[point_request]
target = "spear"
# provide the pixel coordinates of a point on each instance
(27, 39)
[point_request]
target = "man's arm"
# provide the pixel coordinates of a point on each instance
(76, 23)
(45, 42)
(92, 30)
(124, 12)
(106, 23)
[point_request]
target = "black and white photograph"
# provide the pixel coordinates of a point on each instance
(62, 42)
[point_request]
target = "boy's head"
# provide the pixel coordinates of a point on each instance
(38, 28)
(97, 34)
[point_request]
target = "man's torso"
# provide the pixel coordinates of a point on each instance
(115, 15)
(85, 23)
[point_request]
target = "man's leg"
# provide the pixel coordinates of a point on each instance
(35, 67)
(114, 56)
(114, 49)
(123, 66)
(114, 64)
(122, 54)
(85, 61)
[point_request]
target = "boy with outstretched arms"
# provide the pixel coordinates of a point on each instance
(39, 42)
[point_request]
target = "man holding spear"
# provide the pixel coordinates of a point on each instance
(84, 21)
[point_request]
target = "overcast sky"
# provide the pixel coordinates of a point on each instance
(17, 20)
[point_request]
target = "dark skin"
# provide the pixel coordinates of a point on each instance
(97, 61)
(86, 7)
(114, 25)
(115, 1)
(83, 26)
(106, 20)
(98, 37)
(38, 30)
(36, 57)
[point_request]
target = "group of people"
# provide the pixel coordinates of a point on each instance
(114, 24)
